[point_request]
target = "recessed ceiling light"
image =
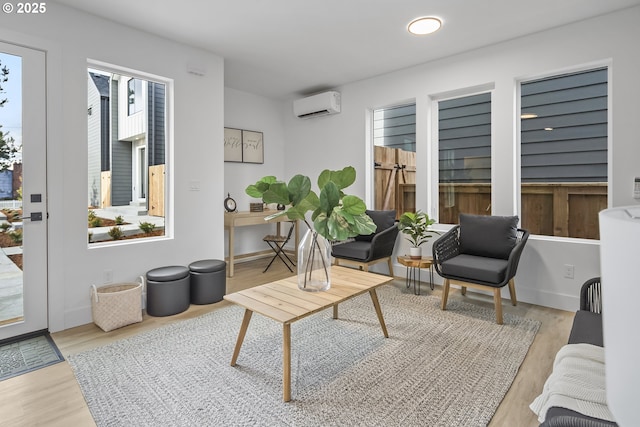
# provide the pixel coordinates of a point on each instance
(528, 115)
(548, 129)
(424, 25)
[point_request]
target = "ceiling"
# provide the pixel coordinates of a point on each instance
(286, 48)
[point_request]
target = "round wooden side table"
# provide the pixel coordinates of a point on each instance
(413, 271)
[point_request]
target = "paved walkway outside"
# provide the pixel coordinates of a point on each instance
(11, 301)
(129, 215)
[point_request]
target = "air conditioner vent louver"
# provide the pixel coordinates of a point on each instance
(321, 104)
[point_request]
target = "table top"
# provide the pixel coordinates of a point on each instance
(407, 261)
(284, 302)
(241, 218)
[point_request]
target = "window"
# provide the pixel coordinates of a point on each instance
(395, 127)
(126, 155)
(464, 157)
(564, 153)
(394, 138)
(135, 96)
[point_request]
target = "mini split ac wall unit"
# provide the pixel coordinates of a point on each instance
(321, 104)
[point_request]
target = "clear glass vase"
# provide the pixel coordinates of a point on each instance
(314, 263)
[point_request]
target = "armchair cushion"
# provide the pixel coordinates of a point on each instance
(382, 220)
(356, 250)
(488, 236)
(587, 328)
(488, 270)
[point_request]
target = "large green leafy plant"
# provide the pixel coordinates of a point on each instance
(335, 215)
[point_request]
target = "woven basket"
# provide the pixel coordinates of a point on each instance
(118, 305)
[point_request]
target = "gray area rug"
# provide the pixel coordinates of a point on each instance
(26, 355)
(437, 368)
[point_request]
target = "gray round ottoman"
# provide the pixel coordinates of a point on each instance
(208, 281)
(167, 290)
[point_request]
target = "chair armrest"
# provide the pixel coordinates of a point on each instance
(446, 247)
(591, 296)
(383, 243)
(514, 256)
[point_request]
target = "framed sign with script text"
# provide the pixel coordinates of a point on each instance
(232, 145)
(252, 147)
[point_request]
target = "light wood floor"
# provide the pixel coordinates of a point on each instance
(51, 396)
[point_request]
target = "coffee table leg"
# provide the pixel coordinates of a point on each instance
(243, 330)
(286, 362)
(376, 304)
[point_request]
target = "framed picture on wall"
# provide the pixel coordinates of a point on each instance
(252, 147)
(232, 145)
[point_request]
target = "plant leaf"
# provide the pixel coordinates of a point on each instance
(338, 228)
(344, 177)
(299, 188)
(354, 205)
(296, 212)
(253, 191)
(329, 197)
(275, 215)
(277, 193)
(364, 225)
(323, 178)
(320, 226)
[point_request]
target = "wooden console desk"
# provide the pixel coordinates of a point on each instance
(242, 219)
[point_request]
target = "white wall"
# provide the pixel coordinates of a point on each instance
(335, 141)
(70, 38)
(247, 111)
(296, 146)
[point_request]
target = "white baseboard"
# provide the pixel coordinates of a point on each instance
(528, 295)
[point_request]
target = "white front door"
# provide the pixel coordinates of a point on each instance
(140, 171)
(23, 290)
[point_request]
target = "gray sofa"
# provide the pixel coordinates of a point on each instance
(587, 328)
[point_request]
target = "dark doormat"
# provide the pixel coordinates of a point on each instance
(27, 353)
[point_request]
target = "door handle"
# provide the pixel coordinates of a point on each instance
(35, 216)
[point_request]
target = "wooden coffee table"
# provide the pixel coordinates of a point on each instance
(283, 302)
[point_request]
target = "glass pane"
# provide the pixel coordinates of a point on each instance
(11, 284)
(564, 153)
(126, 146)
(464, 135)
(394, 138)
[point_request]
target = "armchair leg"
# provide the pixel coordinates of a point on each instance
(497, 299)
(512, 292)
(445, 294)
(390, 262)
(463, 290)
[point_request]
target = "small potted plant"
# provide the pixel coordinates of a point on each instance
(416, 226)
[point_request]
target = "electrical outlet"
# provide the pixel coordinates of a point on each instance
(568, 271)
(108, 276)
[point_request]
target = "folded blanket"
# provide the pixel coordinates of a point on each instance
(576, 383)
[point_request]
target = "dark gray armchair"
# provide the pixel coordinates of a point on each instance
(367, 250)
(482, 252)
